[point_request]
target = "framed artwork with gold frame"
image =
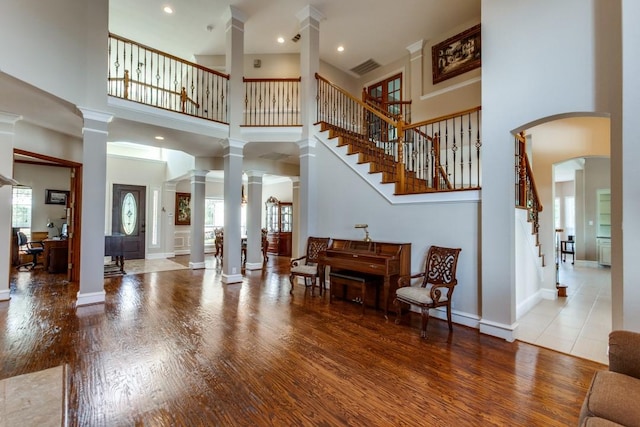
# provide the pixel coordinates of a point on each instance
(456, 55)
(183, 209)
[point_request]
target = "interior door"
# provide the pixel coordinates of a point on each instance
(387, 94)
(129, 218)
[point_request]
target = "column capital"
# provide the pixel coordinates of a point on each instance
(306, 143)
(254, 173)
(416, 47)
(9, 118)
(198, 172)
(233, 143)
(95, 115)
(310, 12)
(233, 13)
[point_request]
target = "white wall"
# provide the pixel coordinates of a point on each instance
(35, 139)
(345, 199)
(544, 65)
(59, 47)
(41, 178)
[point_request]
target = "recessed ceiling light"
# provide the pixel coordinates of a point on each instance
(160, 138)
(168, 10)
(340, 48)
(280, 40)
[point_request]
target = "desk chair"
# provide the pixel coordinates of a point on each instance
(30, 248)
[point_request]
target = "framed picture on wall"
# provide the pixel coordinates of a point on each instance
(183, 210)
(56, 197)
(456, 55)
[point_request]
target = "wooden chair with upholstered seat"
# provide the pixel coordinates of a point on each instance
(438, 282)
(307, 266)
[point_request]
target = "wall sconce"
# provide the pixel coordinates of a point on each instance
(366, 231)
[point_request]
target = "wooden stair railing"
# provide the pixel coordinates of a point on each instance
(526, 191)
(405, 154)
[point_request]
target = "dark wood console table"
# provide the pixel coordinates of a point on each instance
(55, 255)
(114, 247)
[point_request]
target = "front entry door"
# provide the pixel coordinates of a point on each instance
(129, 218)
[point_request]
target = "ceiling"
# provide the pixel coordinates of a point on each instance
(368, 29)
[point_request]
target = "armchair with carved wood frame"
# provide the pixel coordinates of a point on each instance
(438, 282)
(307, 266)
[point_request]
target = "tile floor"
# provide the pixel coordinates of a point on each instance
(578, 324)
(34, 399)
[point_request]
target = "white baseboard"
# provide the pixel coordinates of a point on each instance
(5, 295)
(228, 279)
(91, 298)
(528, 304)
(196, 265)
(458, 317)
(253, 266)
(500, 330)
(156, 256)
(182, 252)
(549, 294)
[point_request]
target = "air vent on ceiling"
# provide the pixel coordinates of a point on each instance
(295, 38)
(365, 67)
(274, 156)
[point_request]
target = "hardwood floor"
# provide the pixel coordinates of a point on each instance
(179, 348)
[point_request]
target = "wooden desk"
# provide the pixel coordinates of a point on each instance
(55, 255)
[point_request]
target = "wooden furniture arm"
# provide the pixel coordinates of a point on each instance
(406, 280)
(436, 290)
(296, 261)
(30, 245)
(624, 352)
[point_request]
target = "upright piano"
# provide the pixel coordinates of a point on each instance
(386, 259)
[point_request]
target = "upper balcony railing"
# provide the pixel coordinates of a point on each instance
(272, 102)
(145, 75)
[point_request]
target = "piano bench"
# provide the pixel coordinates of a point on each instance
(342, 281)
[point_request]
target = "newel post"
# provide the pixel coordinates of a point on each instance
(126, 84)
(401, 166)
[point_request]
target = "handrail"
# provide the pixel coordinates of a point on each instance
(148, 76)
(525, 168)
(441, 154)
(168, 55)
(357, 101)
(443, 118)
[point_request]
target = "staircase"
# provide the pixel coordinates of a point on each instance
(526, 192)
(379, 161)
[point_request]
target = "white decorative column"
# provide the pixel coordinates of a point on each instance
(231, 264)
(415, 52)
(198, 187)
(234, 33)
(625, 186)
(7, 133)
(308, 192)
(298, 247)
(309, 18)
(94, 176)
(254, 217)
